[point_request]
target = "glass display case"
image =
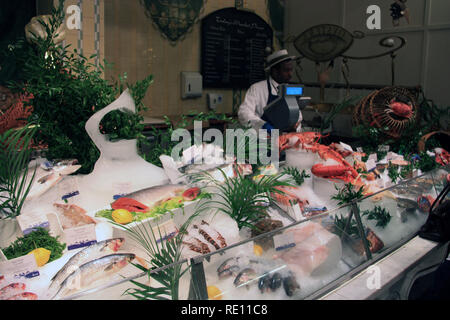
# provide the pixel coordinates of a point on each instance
(296, 259)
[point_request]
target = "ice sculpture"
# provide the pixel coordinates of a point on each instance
(120, 169)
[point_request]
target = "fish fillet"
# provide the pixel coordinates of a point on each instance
(315, 248)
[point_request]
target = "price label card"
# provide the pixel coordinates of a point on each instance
(30, 221)
(79, 237)
(346, 146)
(24, 266)
(370, 164)
(283, 241)
(383, 148)
(167, 230)
(68, 190)
(297, 212)
(121, 189)
(390, 155)
(359, 149)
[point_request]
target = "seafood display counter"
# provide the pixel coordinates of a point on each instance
(303, 258)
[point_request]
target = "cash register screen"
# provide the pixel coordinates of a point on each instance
(294, 91)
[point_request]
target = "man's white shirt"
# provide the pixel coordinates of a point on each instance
(252, 108)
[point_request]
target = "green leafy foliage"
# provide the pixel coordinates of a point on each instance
(242, 198)
(167, 267)
(67, 90)
(340, 223)
(39, 238)
(348, 194)
(299, 177)
(381, 215)
(15, 184)
(425, 162)
(393, 172)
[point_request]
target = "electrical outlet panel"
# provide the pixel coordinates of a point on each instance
(214, 99)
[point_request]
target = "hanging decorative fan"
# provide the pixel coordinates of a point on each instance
(393, 108)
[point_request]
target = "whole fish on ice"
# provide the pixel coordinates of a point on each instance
(48, 174)
(87, 254)
(93, 271)
(154, 195)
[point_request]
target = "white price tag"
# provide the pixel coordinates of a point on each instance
(390, 155)
(121, 189)
(30, 221)
(297, 212)
(284, 241)
(68, 190)
(373, 157)
(383, 148)
(346, 146)
(79, 237)
(24, 266)
(371, 164)
(359, 149)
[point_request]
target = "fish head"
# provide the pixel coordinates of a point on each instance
(114, 244)
(120, 263)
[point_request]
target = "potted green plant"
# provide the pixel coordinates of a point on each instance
(242, 198)
(15, 183)
(67, 89)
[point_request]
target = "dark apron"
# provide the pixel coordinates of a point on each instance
(269, 99)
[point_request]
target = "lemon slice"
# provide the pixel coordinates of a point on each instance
(214, 293)
(122, 216)
(257, 250)
(41, 255)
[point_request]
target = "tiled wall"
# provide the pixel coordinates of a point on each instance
(89, 40)
(136, 47)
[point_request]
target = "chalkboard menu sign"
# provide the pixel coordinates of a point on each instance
(233, 48)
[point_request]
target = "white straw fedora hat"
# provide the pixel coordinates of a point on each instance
(277, 57)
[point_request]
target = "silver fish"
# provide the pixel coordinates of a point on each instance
(153, 195)
(93, 271)
(407, 203)
(229, 267)
(83, 256)
(244, 277)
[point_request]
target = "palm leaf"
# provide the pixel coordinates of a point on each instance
(240, 197)
(14, 182)
(165, 258)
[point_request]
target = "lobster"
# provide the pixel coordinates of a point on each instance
(340, 149)
(342, 170)
(297, 139)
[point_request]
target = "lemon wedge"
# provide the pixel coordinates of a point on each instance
(122, 216)
(41, 255)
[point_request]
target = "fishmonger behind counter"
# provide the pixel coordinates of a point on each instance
(260, 95)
